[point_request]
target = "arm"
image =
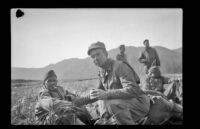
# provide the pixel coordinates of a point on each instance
(142, 58)
(166, 80)
(129, 89)
(157, 58)
(146, 84)
(125, 57)
(117, 57)
(79, 101)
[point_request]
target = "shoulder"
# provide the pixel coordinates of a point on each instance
(42, 91)
(120, 66)
(118, 56)
(142, 51)
(116, 64)
(153, 49)
(60, 88)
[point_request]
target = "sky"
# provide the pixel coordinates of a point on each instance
(47, 36)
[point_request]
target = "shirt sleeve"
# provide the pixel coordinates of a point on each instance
(79, 101)
(129, 89)
(166, 80)
(44, 94)
(142, 58)
(157, 58)
(146, 84)
(117, 57)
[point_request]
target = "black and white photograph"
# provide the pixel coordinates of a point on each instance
(96, 66)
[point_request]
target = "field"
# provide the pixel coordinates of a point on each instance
(24, 95)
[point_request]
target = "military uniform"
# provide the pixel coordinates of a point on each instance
(124, 99)
(156, 83)
(54, 100)
(122, 57)
(154, 80)
(147, 57)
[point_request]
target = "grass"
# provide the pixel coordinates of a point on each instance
(24, 95)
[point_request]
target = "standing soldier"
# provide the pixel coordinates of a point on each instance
(118, 93)
(148, 57)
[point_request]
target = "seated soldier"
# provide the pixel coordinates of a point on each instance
(155, 81)
(121, 101)
(54, 99)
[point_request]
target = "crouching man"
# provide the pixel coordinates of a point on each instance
(118, 93)
(58, 106)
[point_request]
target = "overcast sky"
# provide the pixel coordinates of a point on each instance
(47, 36)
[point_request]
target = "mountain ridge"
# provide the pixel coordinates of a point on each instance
(75, 68)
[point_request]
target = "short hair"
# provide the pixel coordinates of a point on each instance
(122, 46)
(146, 40)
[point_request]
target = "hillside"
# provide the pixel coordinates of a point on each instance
(74, 68)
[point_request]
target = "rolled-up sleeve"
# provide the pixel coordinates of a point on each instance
(142, 58)
(130, 88)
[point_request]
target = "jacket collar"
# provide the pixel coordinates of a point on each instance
(45, 88)
(107, 67)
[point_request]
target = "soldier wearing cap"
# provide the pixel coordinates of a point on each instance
(54, 97)
(122, 57)
(118, 93)
(155, 81)
(148, 57)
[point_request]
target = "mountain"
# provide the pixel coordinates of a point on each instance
(74, 68)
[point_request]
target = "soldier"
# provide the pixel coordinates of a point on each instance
(148, 57)
(155, 81)
(122, 56)
(54, 98)
(118, 93)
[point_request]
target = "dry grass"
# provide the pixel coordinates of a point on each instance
(24, 96)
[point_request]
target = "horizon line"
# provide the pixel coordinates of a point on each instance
(87, 57)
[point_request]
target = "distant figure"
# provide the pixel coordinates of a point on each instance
(54, 99)
(148, 57)
(122, 56)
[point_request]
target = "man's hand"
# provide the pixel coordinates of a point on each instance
(97, 94)
(143, 61)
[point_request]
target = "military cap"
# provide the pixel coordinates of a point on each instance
(96, 46)
(146, 40)
(155, 70)
(49, 74)
(122, 46)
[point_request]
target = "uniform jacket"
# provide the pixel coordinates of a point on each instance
(122, 57)
(54, 100)
(148, 56)
(156, 83)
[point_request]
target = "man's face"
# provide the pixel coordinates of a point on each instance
(98, 56)
(146, 44)
(51, 82)
(122, 49)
